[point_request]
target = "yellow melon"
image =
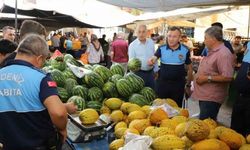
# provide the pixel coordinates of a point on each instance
(231, 138)
(187, 141)
(197, 130)
(158, 102)
(121, 124)
(171, 102)
(146, 109)
(113, 103)
(245, 147)
(132, 130)
(140, 124)
(168, 123)
(157, 131)
(105, 110)
(211, 123)
(116, 144)
(157, 115)
(138, 114)
(184, 112)
(116, 116)
(124, 107)
(248, 138)
(212, 134)
(88, 116)
(119, 133)
(210, 144)
(181, 129)
(168, 142)
(179, 119)
(133, 107)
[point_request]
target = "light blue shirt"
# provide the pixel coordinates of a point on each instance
(143, 51)
(247, 54)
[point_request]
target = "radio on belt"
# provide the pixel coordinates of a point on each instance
(79, 133)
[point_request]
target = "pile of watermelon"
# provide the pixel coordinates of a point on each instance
(101, 83)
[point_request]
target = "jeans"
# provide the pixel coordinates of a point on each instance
(209, 109)
(241, 114)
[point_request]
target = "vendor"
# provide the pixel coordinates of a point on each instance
(32, 115)
(241, 109)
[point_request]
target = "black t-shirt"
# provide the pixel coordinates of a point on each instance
(7, 59)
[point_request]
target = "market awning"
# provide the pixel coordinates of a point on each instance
(167, 5)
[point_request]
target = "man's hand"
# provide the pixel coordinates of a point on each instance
(64, 135)
(152, 60)
(71, 107)
(201, 79)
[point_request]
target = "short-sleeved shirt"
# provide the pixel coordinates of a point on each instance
(94, 55)
(25, 122)
(218, 62)
(120, 50)
(172, 62)
(143, 51)
(226, 43)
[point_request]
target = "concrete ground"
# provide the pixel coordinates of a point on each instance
(224, 116)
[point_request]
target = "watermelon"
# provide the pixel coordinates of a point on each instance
(81, 91)
(148, 93)
(109, 90)
(139, 100)
(134, 64)
(89, 67)
(47, 69)
(74, 62)
(94, 104)
(69, 74)
(47, 63)
(78, 101)
(67, 57)
(136, 82)
(104, 72)
(115, 78)
(58, 77)
(95, 94)
(93, 80)
(69, 85)
(117, 69)
(60, 65)
(63, 94)
(124, 88)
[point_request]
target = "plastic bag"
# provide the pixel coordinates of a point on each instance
(137, 142)
(78, 71)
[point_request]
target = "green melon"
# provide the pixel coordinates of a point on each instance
(69, 74)
(115, 78)
(58, 77)
(94, 104)
(63, 94)
(69, 85)
(124, 88)
(81, 91)
(60, 65)
(93, 80)
(78, 101)
(136, 82)
(109, 90)
(67, 57)
(139, 100)
(134, 64)
(95, 94)
(103, 72)
(148, 93)
(117, 69)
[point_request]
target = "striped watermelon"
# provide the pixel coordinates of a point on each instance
(115, 78)
(134, 64)
(124, 88)
(94, 104)
(74, 62)
(93, 80)
(63, 94)
(47, 69)
(139, 100)
(117, 69)
(67, 57)
(104, 72)
(47, 63)
(136, 82)
(69, 74)
(81, 91)
(60, 65)
(95, 94)
(109, 90)
(148, 93)
(78, 101)
(58, 77)
(69, 85)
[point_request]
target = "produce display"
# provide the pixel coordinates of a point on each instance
(128, 103)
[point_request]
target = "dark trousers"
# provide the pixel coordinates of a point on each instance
(148, 77)
(209, 109)
(171, 89)
(241, 115)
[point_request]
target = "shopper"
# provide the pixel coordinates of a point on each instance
(241, 109)
(9, 33)
(32, 115)
(214, 75)
(143, 49)
(173, 56)
(119, 51)
(6, 48)
(95, 51)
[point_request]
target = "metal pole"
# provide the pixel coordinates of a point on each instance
(16, 17)
(248, 28)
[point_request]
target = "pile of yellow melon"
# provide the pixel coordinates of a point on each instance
(179, 132)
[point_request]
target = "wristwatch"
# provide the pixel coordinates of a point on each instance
(209, 79)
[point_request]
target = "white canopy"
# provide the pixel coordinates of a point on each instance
(166, 5)
(88, 11)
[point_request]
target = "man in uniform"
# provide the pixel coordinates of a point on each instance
(241, 109)
(32, 115)
(173, 57)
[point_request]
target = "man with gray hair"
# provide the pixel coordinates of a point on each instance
(9, 33)
(32, 115)
(214, 75)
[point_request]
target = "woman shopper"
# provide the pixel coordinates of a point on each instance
(95, 52)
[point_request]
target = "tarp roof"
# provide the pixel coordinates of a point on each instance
(167, 5)
(90, 12)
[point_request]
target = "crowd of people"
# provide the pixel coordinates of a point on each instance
(166, 67)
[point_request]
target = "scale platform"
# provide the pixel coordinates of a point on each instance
(79, 133)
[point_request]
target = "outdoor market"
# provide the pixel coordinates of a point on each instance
(124, 75)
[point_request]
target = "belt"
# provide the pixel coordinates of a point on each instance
(245, 95)
(146, 70)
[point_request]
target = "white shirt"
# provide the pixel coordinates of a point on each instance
(94, 55)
